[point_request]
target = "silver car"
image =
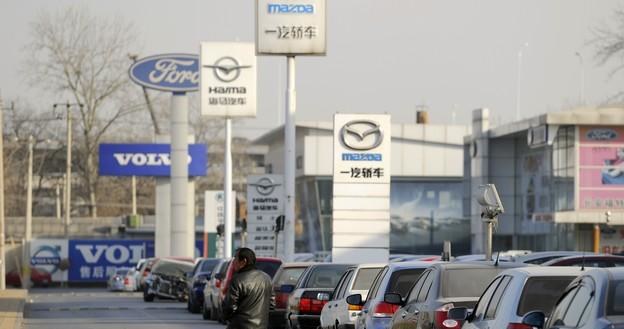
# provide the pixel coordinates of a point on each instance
(116, 280)
(357, 280)
(512, 294)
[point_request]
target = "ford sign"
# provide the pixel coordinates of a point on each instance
(167, 72)
(601, 134)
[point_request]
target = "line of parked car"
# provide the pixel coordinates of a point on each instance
(534, 290)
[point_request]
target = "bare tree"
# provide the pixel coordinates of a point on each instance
(609, 46)
(76, 54)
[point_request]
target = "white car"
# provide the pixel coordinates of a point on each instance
(116, 280)
(512, 294)
(130, 283)
(356, 280)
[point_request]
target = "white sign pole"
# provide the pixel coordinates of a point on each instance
(289, 162)
(181, 239)
(227, 186)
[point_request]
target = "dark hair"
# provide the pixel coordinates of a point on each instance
(247, 255)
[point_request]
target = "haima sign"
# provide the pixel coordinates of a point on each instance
(265, 202)
(290, 27)
(361, 188)
(228, 79)
(147, 160)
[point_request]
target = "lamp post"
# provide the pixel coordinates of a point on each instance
(582, 82)
(518, 75)
(2, 249)
(68, 165)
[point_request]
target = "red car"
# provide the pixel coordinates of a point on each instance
(37, 277)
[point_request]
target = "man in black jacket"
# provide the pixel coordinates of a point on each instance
(247, 303)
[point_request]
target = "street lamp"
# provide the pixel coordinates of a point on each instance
(68, 164)
(518, 75)
(582, 86)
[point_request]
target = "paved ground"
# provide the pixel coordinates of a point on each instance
(56, 308)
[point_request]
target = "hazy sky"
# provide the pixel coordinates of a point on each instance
(383, 56)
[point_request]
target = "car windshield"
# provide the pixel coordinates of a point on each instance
(325, 276)
(402, 281)
(615, 301)
(208, 265)
(541, 293)
(365, 277)
(172, 268)
(466, 282)
(289, 276)
(268, 267)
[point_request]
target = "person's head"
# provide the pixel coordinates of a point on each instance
(244, 257)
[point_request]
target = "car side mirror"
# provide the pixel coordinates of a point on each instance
(354, 300)
(287, 288)
(534, 319)
(393, 298)
(458, 313)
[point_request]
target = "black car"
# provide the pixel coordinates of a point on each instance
(311, 293)
(197, 281)
(441, 287)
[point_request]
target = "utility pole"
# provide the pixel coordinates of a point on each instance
(2, 231)
(28, 230)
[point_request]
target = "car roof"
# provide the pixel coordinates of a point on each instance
(478, 264)
(542, 254)
(588, 256)
(530, 271)
(370, 265)
(298, 264)
(410, 265)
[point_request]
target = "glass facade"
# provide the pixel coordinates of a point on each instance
(423, 215)
(563, 162)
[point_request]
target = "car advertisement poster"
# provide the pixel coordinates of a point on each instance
(50, 255)
(601, 168)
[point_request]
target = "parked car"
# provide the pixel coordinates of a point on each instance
(212, 304)
(268, 265)
(394, 277)
(197, 281)
(129, 281)
(288, 274)
(512, 294)
(587, 260)
(440, 288)
(481, 258)
(594, 300)
(168, 279)
(310, 294)
(144, 272)
(337, 313)
(133, 282)
(116, 280)
(38, 277)
(537, 258)
(411, 258)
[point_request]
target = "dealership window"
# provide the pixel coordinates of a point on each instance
(563, 164)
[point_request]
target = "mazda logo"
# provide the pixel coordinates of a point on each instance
(227, 69)
(361, 135)
(265, 186)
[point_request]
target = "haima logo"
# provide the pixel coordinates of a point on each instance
(265, 186)
(355, 135)
(227, 69)
(114, 254)
(144, 159)
(290, 9)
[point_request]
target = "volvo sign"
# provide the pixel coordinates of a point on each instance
(148, 160)
(167, 72)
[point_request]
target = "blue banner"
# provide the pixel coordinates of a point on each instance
(148, 160)
(96, 260)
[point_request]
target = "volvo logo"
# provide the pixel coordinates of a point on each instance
(227, 69)
(265, 186)
(361, 135)
(47, 258)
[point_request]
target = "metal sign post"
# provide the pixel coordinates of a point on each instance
(290, 28)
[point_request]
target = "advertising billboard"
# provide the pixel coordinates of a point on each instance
(47, 254)
(601, 168)
(96, 260)
(167, 72)
(265, 202)
(148, 160)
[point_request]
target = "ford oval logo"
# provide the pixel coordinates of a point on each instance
(167, 72)
(601, 134)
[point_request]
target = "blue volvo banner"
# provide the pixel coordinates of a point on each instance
(148, 160)
(96, 260)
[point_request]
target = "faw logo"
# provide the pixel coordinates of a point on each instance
(290, 9)
(144, 159)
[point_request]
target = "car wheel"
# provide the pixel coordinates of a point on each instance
(147, 297)
(206, 313)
